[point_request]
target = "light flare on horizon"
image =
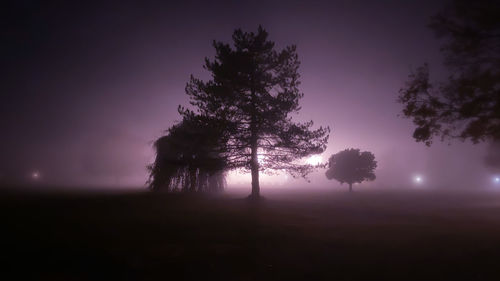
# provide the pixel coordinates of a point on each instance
(314, 160)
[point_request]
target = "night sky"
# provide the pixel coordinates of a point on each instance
(88, 87)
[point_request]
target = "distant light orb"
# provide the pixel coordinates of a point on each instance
(496, 179)
(314, 160)
(35, 175)
(418, 179)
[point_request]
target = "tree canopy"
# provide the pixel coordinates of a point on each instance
(467, 104)
(351, 166)
(253, 91)
(188, 158)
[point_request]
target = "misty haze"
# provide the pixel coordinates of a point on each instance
(251, 140)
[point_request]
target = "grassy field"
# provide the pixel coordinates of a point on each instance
(368, 235)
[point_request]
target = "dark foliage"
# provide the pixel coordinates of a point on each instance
(467, 105)
(188, 158)
(253, 91)
(351, 166)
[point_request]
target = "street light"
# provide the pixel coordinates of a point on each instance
(418, 179)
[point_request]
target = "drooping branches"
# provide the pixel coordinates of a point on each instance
(188, 158)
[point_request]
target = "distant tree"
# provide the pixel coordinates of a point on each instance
(351, 166)
(188, 158)
(253, 90)
(467, 105)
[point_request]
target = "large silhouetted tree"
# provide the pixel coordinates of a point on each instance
(351, 166)
(253, 90)
(189, 158)
(467, 105)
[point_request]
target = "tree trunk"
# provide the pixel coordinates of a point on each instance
(350, 187)
(255, 172)
(202, 181)
(192, 180)
(254, 165)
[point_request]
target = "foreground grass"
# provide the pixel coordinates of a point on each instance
(302, 236)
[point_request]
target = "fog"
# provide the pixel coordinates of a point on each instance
(91, 87)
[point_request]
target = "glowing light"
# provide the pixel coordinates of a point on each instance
(496, 179)
(314, 160)
(35, 175)
(418, 179)
(261, 158)
(244, 179)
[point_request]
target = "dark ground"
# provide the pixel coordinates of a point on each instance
(368, 235)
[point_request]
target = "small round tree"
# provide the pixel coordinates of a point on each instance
(351, 166)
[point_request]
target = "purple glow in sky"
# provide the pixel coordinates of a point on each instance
(90, 86)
